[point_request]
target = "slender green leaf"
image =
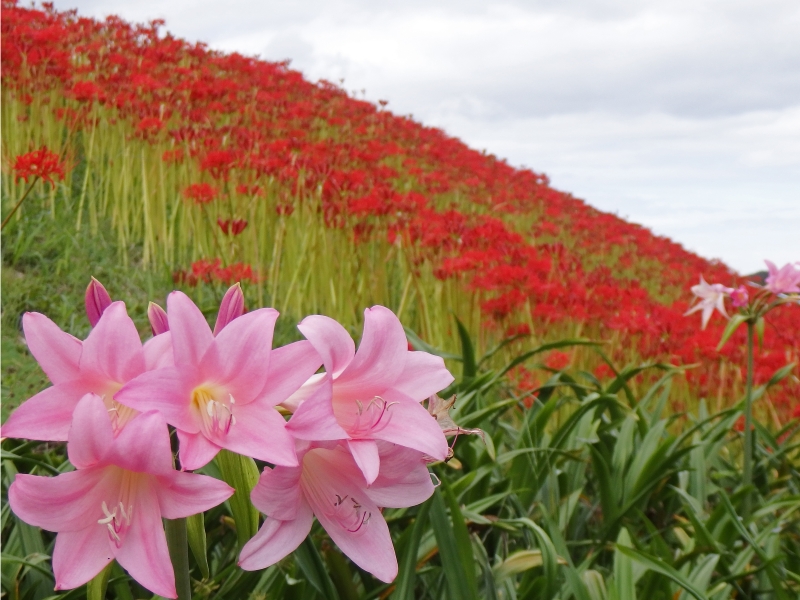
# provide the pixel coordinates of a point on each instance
(310, 562)
(659, 566)
(733, 324)
(196, 534)
(407, 573)
(455, 571)
(241, 473)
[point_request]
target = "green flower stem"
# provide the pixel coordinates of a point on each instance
(17, 205)
(748, 421)
(179, 553)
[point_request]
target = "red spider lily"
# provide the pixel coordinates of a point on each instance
(39, 163)
(200, 193)
(232, 226)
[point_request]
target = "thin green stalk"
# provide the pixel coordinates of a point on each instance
(178, 544)
(748, 421)
(17, 205)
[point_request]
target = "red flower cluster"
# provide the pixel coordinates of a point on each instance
(232, 226)
(39, 163)
(212, 271)
(200, 193)
(528, 252)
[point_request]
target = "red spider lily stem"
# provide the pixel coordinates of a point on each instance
(213, 229)
(17, 205)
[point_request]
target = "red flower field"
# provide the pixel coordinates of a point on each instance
(224, 152)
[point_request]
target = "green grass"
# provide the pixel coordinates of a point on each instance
(47, 265)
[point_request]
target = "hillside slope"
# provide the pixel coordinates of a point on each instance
(224, 166)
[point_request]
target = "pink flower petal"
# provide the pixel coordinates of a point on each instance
(191, 335)
(143, 552)
(165, 390)
(410, 425)
(276, 539)
(403, 481)
(80, 555)
(48, 414)
(231, 307)
(69, 502)
(365, 453)
(380, 359)
(158, 352)
(96, 300)
(239, 356)
(91, 435)
(424, 375)
(289, 368)
(350, 517)
(113, 348)
(313, 419)
(331, 340)
(143, 446)
(183, 494)
(260, 432)
(196, 450)
(58, 353)
(277, 493)
(305, 391)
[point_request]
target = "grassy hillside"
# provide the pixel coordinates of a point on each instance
(342, 204)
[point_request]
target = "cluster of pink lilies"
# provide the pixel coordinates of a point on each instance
(358, 438)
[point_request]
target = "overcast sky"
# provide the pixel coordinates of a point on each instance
(682, 115)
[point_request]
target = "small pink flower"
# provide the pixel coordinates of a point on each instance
(785, 280)
(223, 389)
(375, 393)
(111, 507)
(711, 296)
(330, 485)
(740, 297)
(111, 356)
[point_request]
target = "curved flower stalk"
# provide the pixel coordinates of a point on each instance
(782, 286)
(375, 392)
(329, 484)
(110, 356)
(222, 391)
(111, 507)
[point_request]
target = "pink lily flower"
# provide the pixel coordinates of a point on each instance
(111, 506)
(712, 296)
(330, 485)
(223, 390)
(376, 392)
(110, 356)
(785, 280)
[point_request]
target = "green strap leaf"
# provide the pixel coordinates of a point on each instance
(310, 562)
(96, 588)
(659, 566)
(454, 570)
(241, 473)
(406, 577)
(196, 534)
(732, 326)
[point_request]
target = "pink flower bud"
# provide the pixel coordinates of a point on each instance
(740, 297)
(232, 306)
(158, 319)
(97, 300)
